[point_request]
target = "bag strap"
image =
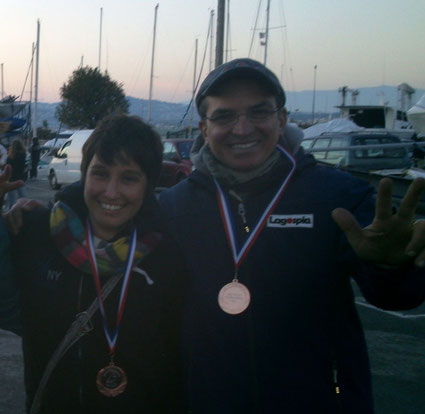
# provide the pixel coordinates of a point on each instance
(79, 328)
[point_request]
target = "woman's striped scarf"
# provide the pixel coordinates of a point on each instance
(68, 233)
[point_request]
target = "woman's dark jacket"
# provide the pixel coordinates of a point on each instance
(18, 166)
(53, 292)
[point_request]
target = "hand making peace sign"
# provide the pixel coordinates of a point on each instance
(391, 239)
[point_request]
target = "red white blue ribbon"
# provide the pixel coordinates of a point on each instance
(111, 337)
(239, 256)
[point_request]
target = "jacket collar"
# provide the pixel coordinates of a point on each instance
(303, 161)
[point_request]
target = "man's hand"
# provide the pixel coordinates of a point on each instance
(5, 184)
(13, 218)
(391, 239)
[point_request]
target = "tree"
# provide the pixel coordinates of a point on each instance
(44, 132)
(88, 97)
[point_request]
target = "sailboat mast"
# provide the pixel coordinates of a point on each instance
(100, 37)
(266, 40)
(193, 88)
(227, 30)
(152, 64)
(211, 39)
(2, 82)
(37, 57)
(32, 70)
(314, 94)
(31, 85)
(220, 33)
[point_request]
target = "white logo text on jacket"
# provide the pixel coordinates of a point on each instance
(290, 220)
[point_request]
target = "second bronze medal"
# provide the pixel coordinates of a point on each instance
(111, 381)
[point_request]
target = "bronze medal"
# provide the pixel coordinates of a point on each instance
(111, 380)
(234, 298)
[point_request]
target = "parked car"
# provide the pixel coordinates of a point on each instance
(176, 165)
(52, 146)
(65, 166)
(363, 158)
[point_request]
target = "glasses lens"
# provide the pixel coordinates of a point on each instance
(230, 118)
(259, 115)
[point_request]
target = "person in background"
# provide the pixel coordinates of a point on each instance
(105, 228)
(3, 156)
(16, 159)
(272, 240)
(4, 126)
(35, 157)
(418, 153)
(9, 293)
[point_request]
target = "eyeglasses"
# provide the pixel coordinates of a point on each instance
(255, 116)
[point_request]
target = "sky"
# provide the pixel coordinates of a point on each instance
(358, 43)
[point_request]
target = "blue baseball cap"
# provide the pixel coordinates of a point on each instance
(247, 68)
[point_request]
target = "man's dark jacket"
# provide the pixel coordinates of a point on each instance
(301, 337)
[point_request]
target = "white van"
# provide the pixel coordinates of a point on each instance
(65, 166)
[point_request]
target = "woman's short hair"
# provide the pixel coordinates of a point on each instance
(119, 138)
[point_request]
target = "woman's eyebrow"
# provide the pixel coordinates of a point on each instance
(132, 171)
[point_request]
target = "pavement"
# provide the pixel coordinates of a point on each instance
(12, 392)
(396, 343)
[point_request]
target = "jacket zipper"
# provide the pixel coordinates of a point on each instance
(336, 385)
(241, 210)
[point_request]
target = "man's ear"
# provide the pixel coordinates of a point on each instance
(204, 129)
(283, 117)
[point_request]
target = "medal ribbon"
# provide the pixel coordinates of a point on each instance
(111, 337)
(238, 257)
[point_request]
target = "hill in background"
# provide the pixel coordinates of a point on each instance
(168, 116)
(163, 114)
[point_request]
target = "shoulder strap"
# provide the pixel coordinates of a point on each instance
(79, 328)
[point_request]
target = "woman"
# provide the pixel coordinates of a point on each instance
(107, 225)
(16, 159)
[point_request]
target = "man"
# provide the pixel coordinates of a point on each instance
(271, 325)
(35, 157)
